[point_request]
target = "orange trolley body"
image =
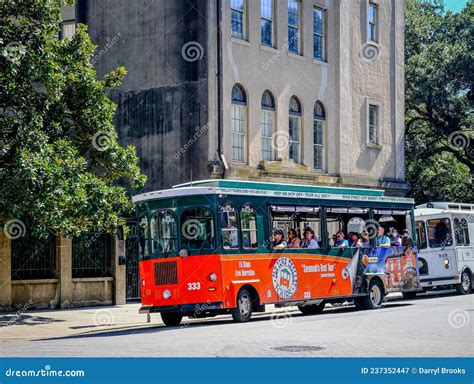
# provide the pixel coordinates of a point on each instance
(180, 279)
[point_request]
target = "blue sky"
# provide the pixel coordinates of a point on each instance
(454, 5)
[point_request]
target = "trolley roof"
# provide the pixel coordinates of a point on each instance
(262, 189)
(441, 207)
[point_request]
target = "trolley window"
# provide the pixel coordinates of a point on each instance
(197, 229)
(248, 223)
(164, 234)
(228, 221)
(461, 231)
(439, 232)
(421, 235)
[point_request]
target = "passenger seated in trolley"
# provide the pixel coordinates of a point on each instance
(309, 240)
(341, 242)
(278, 240)
(293, 240)
(381, 240)
(355, 240)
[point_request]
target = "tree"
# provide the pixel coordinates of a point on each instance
(439, 74)
(61, 165)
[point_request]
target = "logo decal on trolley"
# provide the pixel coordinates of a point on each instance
(285, 278)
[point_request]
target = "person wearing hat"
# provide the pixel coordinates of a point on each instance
(278, 241)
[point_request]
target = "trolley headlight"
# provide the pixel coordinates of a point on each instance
(213, 277)
(166, 294)
(446, 263)
(143, 282)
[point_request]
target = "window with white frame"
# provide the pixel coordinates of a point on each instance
(294, 128)
(239, 105)
(238, 10)
(373, 124)
(294, 10)
(68, 29)
(319, 33)
(267, 126)
(266, 21)
(319, 121)
(372, 31)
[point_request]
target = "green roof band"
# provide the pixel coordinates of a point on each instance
(281, 187)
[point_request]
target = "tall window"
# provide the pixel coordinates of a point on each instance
(293, 25)
(461, 231)
(238, 18)
(248, 223)
(318, 134)
(229, 227)
(164, 234)
(373, 18)
(267, 126)
(319, 34)
(373, 130)
(197, 229)
(266, 14)
(239, 103)
(294, 129)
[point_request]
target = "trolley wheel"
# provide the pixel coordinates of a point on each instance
(464, 288)
(313, 309)
(409, 295)
(375, 297)
(171, 319)
(243, 312)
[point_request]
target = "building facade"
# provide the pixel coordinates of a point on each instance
(307, 91)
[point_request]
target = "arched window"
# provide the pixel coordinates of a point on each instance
(318, 135)
(239, 105)
(294, 128)
(248, 223)
(228, 222)
(267, 124)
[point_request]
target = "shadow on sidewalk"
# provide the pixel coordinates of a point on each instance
(24, 319)
(223, 320)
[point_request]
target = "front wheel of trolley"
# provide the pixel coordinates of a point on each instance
(243, 312)
(375, 297)
(171, 319)
(313, 309)
(464, 288)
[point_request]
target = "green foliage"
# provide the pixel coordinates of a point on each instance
(60, 159)
(439, 70)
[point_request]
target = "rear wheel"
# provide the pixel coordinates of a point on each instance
(409, 295)
(313, 309)
(243, 312)
(464, 288)
(171, 319)
(375, 297)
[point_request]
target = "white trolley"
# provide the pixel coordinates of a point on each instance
(445, 238)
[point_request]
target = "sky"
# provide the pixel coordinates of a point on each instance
(454, 5)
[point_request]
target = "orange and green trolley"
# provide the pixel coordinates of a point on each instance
(206, 248)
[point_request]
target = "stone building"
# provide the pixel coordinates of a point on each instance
(291, 91)
(307, 91)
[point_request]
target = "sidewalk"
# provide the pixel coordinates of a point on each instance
(39, 324)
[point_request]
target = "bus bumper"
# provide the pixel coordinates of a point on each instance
(185, 308)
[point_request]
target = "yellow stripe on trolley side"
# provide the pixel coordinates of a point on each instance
(263, 256)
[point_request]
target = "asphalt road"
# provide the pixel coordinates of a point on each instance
(432, 325)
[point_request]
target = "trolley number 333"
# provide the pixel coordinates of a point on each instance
(194, 286)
